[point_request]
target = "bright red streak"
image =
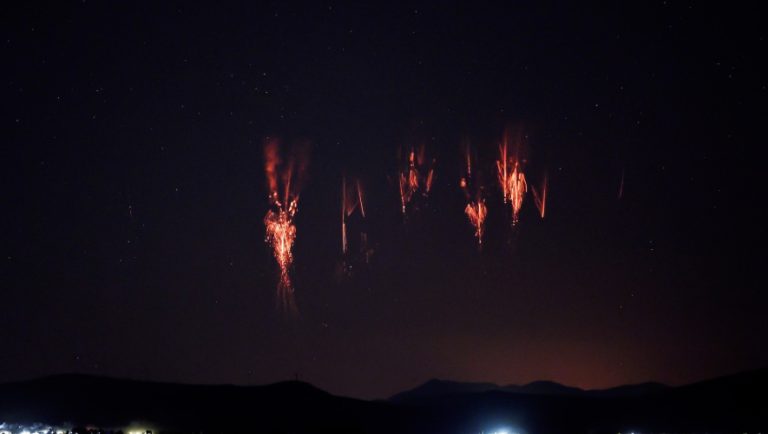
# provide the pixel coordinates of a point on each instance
(417, 177)
(512, 179)
(360, 197)
(350, 201)
(281, 234)
(280, 227)
(540, 199)
(476, 209)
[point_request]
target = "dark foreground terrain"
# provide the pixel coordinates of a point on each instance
(734, 403)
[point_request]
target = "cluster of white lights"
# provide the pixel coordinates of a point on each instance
(6, 428)
(9, 428)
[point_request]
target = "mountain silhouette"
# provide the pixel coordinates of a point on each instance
(726, 404)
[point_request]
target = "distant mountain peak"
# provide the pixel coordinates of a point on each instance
(436, 388)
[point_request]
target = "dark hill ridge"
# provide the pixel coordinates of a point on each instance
(110, 402)
(728, 404)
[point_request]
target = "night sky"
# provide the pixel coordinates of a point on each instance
(134, 192)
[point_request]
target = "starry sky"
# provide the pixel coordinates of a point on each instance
(134, 193)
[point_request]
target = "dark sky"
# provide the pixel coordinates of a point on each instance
(133, 192)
